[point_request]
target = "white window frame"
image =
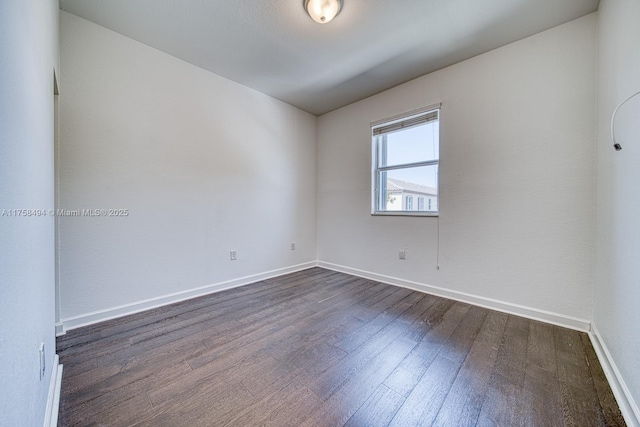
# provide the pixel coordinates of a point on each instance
(406, 120)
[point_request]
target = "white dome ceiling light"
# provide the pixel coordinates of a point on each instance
(322, 11)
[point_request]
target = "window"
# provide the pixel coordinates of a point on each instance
(406, 155)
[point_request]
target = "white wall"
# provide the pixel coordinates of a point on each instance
(204, 166)
(28, 55)
(616, 313)
(516, 175)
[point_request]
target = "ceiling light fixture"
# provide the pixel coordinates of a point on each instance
(322, 11)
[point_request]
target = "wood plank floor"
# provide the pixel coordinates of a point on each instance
(320, 348)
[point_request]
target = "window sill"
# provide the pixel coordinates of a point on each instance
(406, 213)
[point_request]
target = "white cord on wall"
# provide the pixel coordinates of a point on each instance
(617, 146)
(438, 243)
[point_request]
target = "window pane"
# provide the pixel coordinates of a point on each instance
(416, 144)
(403, 185)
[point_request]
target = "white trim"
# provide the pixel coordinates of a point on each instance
(627, 405)
(406, 213)
(53, 399)
(59, 329)
(506, 307)
(136, 307)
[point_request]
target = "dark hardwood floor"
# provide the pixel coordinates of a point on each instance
(320, 348)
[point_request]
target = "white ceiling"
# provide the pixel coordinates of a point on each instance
(274, 47)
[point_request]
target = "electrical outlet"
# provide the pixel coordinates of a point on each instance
(293, 246)
(233, 255)
(402, 254)
(42, 360)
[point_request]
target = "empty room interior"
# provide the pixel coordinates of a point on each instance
(222, 213)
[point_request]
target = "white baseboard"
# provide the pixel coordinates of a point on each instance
(136, 307)
(506, 307)
(59, 329)
(53, 399)
(627, 405)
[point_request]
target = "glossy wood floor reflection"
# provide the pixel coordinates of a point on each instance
(320, 348)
